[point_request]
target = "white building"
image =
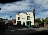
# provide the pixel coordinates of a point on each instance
(25, 18)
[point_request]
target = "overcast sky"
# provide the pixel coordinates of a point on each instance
(11, 9)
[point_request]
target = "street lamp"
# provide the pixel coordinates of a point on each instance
(10, 19)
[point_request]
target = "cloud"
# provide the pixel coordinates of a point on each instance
(43, 3)
(17, 6)
(22, 5)
(41, 14)
(7, 17)
(26, 5)
(45, 13)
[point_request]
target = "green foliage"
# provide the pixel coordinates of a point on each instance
(1, 19)
(38, 20)
(46, 19)
(43, 20)
(5, 19)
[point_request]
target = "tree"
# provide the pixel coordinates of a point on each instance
(5, 19)
(10, 16)
(43, 20)
(46, 19)
(1, 19)
(38, 20)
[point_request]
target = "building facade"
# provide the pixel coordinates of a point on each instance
(26, 19)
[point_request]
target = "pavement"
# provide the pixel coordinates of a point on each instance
(24, 31)
(41, 28)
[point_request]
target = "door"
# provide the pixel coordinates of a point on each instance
(19, 23)
(28, 23)
(23, 24)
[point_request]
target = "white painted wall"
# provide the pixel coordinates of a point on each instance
(23, 15)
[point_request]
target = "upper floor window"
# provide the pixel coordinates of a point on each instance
(28, 17)
(18, 18)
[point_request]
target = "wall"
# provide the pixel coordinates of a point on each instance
(45, 25)
(23, 15)
(36, 24)
(13, 21)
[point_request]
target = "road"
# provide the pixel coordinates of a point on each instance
(20, 31)
(24, 31)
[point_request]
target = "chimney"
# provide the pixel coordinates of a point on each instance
(18, 12)
(34, 14)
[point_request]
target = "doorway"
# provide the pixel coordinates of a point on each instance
(19, 23)
(23, 24)
(28, 23)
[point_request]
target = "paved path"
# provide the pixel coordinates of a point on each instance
(37, 29)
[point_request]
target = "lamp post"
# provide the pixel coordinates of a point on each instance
(10, 19)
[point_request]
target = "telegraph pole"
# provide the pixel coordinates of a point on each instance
(0, 8)
(34, 14)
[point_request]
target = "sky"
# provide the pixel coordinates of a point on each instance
(11, 9)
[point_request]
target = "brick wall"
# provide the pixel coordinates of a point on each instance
(35, 24)
(6, 22)
(45, 25)
(13, 21)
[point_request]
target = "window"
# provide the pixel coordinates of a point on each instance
(28, 17)
(18, 18)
